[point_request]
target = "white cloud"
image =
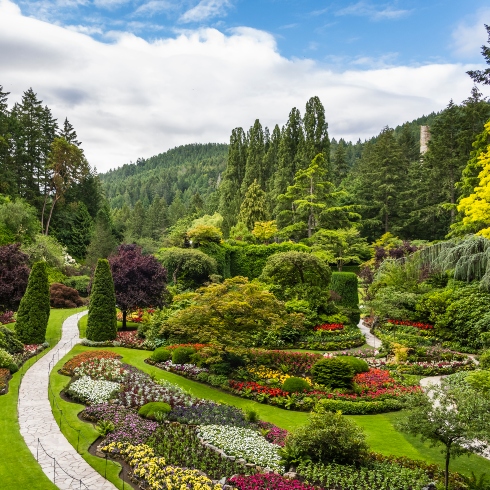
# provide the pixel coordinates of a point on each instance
(153, 7)
(132, 98)
(470, 34)
(205, 10)
(374, 12)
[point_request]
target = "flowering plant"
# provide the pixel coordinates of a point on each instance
(68, 368)
(419, 325)
(330, 326)
(101, 368)
(270, 481)
(92, 391)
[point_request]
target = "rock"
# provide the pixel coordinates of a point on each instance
(291, 474)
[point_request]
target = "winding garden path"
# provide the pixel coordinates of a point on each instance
(371, 339)
(56, 456)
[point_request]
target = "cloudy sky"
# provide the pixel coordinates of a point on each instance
(137, 77)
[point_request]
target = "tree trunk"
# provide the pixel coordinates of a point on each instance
(55, 200)
(446, 469)
(125, 314)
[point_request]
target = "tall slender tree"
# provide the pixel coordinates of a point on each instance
(254, 166)
(253, 207)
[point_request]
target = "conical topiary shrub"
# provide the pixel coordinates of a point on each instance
(102, 322)
(33, 313)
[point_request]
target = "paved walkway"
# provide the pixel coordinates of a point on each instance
(371, 339)
(39, 428)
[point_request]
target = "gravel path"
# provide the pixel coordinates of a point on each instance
(371, 339)
(56, 456)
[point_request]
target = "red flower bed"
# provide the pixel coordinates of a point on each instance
(69, 366)
(129, 338)
(32, 348)
(293, 362)
(7, 317)
(275, 434)
(419, 325)
(269, 481)
(4, 380)
(374, 379)
(330, 326)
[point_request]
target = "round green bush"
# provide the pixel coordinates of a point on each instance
(359, 365)
(162, 354)
(485, 359)
(149, 410)
(295, 385)
(333, 372)
(7, 361)
(182, 355)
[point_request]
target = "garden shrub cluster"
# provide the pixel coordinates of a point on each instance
(69, 367)
(62, 296)
(9, 341)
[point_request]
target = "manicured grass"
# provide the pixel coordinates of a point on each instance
(82, 325)
(380, 431)
(18, 467)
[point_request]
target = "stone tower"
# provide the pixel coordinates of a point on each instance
(424, 139)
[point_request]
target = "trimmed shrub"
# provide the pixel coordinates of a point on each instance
(328, 438)
(333, 372)
(361, 407)
(33, 314)
(485, 359)
(7, 361)
(345, 285)
(62, 296)
(149, 410)
(9, 341)
(102, 322)
(295, 385)
(359, 365)
(162, 354)
(182, 355)
(80, 283)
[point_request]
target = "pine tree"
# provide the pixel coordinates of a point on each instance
(136, 222)
(69, 133)
(176, 210)
(156, 219)
(102, 242)
(316, 133)
(340, 167)
(483, 76)
(229, 189)
(408, 144)
(7, 169)
(34, 309)
(253, 207)
(102, 321)
(254, 166)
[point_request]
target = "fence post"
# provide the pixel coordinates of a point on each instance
(54, 470)
(78, 440)
(37, 450)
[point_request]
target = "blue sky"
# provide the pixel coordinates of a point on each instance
(137, 77)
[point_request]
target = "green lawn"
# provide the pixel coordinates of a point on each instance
(381, 434)
(18, 468)
(82, 325)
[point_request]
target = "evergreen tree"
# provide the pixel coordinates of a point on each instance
(156, 219)
(69, 134)
(316, 134)
(102, 321)
(379, 179)
(340, 166)
(483, 76)
(253, 207)
(7, 169)
(176, 210)
(102, 242)
(136, 222)
(34, 308)
(408, 144)
(254, 166)
(229, 189)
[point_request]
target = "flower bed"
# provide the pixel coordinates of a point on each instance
(419, 325)
(189, 369)
(68, 368)
(102, 369)
(293, 363)
(152, 472)
(4, 380)
(273, 433)
(92, 391)
(330, 327)
(243, 443)
(269, 481)
(130, 339)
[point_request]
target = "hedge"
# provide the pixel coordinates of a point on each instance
(345, 285)
(361, 407)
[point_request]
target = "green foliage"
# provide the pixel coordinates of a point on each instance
(80, 283)
(361, 407)
(253, 207)
(151, 409)
(232, 312)
(333, 372)
(182, 355)
(34, 308)
(484, 359)
(102, 322)
(204, 234)
(161, 354)
(9, 341)
(7, 361)
(329, 438)
(104, 427)
(47, 249)
(359, 365)
(479, 381)
(189, 267)
(345, 285)
(18, 222)
(241, 233)
(295, 385)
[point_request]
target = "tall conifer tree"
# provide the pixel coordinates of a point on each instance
(253, 207)
(254, 166)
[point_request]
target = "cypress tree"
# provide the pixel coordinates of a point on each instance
(316, 134)
(102, 322)
(33, 313)
(253, 207)
(255, 158)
